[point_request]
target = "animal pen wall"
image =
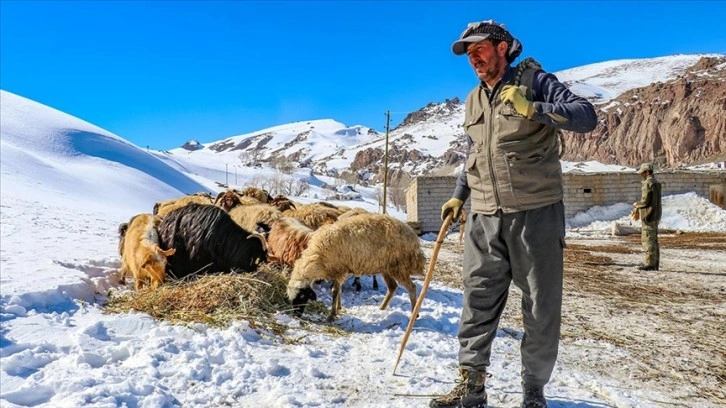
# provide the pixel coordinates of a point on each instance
(425, 195)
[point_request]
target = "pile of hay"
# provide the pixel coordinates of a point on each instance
(216, 300)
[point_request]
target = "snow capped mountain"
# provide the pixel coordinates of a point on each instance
(429, 141)
(603, 81)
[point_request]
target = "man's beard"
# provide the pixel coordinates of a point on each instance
(492, 70)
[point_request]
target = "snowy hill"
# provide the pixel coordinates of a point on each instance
(49, 149)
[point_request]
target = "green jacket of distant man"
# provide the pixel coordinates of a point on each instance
(649, 205)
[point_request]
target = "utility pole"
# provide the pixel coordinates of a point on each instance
(385, 163)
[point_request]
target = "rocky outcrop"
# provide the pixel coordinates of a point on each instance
(430, 110)
(682, 121)
(365, 158)
(192, 145)
(222, 146)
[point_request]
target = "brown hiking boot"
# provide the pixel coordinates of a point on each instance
(468, 393)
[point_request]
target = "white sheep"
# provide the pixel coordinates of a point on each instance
(351, 212)
(165, 207)
(250, 216)
(314, 215)
(366, 244)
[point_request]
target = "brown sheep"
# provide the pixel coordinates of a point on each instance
(227, 200)
(361, 245)
(287, 239)
(257, 193)
(142, 256)
(282, 203)
(165, 207)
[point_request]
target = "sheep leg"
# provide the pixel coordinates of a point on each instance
(375, 283)
(411, 289)
(138, 284)
(336, 301)
(124, 270)
(356, 284)
(392, 285)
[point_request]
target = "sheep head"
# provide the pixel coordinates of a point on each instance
(300, 294)
(227, 200)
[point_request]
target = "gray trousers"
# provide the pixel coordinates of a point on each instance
(526, 248)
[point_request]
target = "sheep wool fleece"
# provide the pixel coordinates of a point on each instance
(526, 248)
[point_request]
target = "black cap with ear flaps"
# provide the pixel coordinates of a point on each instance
(487, 30)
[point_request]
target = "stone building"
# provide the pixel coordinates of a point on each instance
(426, 194)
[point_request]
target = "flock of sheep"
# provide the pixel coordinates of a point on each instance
(241, 229)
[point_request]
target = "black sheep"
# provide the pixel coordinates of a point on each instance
(207, 241)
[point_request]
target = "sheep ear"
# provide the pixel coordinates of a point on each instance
(216, 200)
(169, 252)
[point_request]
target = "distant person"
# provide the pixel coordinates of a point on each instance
(650, 210)
(515, 230)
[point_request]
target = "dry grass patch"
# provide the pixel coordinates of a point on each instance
(216, 300)
(609, 249)
(687, 240)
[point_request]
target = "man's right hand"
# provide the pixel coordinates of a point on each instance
(454, 205)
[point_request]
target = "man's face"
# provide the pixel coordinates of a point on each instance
(485, 60)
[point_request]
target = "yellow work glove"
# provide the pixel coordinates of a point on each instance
(513, 94)
(454, 205)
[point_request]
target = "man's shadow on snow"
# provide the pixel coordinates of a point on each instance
(439, 312)
(555, 402)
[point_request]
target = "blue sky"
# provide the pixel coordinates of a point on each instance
(161, 73)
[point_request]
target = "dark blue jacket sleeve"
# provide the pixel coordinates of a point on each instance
(557, 106)
(462, 190)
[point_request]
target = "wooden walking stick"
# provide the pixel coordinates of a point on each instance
(425, 286)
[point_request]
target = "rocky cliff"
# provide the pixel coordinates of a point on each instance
(678, 122)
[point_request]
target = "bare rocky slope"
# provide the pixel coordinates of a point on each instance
(679, 122)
